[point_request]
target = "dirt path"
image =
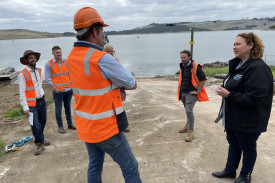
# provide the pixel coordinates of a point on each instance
(155, 117)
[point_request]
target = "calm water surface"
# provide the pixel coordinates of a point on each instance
(148, 54)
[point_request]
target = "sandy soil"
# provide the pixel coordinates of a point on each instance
(155, 116)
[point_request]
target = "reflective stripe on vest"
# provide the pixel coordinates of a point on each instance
(194, 68)
(86, 61)
(30, 90)
(102, 115)
(60, 74)
(96, 92)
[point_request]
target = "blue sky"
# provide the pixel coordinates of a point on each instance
(57, 16)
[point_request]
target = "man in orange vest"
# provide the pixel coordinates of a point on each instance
(190, 90)
(57, 76)
(100, 118)
(32, 98)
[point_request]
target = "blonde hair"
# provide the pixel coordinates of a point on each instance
(257, 50)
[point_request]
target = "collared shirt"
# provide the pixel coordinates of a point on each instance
(36, 79)
(48, 74)
(112, 70)
(187, 64)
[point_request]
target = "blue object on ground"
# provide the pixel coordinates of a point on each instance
(20, 142)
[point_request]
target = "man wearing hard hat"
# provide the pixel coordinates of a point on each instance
(99, 114)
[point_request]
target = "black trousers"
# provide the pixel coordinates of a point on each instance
(241, 142)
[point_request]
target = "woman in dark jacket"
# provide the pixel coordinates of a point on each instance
(247, 95)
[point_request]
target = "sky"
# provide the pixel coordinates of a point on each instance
(56, 16)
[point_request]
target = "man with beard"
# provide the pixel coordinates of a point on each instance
(32, 98)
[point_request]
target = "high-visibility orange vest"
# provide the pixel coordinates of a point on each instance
(60, 75)
(202, 95)
(30, 90)
(97, 100)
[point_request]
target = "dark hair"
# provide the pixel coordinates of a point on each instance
(56, 48)
(189, 54)
(257, 50)
(84, 36)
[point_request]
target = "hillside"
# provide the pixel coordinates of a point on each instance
(29, 34)
(217, 25)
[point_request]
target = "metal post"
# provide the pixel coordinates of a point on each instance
(192, 41)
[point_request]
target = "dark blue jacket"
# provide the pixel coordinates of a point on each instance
(248, 105)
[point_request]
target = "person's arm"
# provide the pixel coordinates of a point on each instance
(48, 77)
(111, 69)
(22, 94)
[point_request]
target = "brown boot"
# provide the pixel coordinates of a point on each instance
(184, 130)
(39, 149)
(190, 136)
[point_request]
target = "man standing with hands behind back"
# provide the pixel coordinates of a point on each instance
(190, 90)
(57, 76)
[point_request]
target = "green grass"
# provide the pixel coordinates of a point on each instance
(50, 101)
(2, 150)
(18, 112)
(15, 113)
(272, 67)
(210, 72)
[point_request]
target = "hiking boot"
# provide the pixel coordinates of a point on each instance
(39, 149)
(184, 130)
(61, 129)
(72, 127)
(190, 136)
(47, 143)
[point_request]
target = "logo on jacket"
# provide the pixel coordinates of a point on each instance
(237, 77)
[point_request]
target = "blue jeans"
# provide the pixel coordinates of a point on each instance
(39, 120)
(118, 148)
(66, 97)
(189, 102)
(241, 142)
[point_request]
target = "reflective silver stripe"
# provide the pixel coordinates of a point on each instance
(114, 87)
(26, 73)
(31, 99)
(51, 62)
(94, 116)
(119, 110)
(194, 75)
(60, 74)
(98, 92)
(86, 61)
(29, 88)
(62, 84)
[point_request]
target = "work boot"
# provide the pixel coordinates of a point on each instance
(47, 143)
(190, 136)
(184, 130)
(39, 149)
(72, 127)
(61, 129)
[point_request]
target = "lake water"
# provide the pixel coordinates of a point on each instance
(148, 54)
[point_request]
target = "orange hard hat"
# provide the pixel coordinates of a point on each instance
(87, 16)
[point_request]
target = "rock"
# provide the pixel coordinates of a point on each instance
(216, 64)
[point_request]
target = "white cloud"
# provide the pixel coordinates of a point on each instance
(57, 16)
